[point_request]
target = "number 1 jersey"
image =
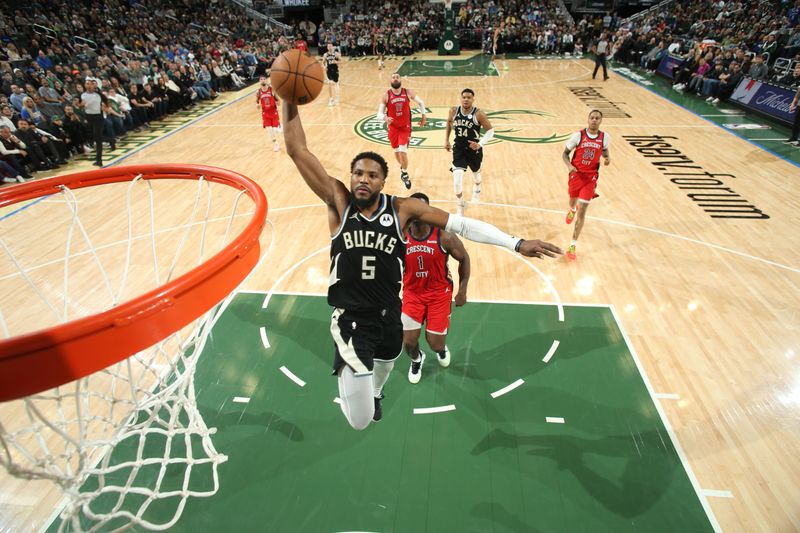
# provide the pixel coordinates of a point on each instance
(367, 259)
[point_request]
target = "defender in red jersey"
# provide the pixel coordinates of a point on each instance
(428, 290)
(584, 166)
(395, 109)
(300, 43)
(268, 103)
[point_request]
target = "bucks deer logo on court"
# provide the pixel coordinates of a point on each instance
(509, 125)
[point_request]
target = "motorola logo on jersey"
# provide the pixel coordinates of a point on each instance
(387, 220)
(509, 125)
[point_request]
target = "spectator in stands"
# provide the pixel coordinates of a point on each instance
(16, 97)
(29, 111)
(696, 83)
(55, 127)
(759, 70)
(40, 146)
(77, 129)
(768, 48)
(712, 80)
(792, 78)
(12, 151)
(728, 84)
(7, 118)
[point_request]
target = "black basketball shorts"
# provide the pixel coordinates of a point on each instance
(333, 75)
(466, 157)
(363, 337)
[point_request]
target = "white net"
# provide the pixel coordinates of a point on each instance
(127, 445)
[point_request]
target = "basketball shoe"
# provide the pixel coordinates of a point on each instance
(571, 253)
(444, 357)
(571, 216)
(415, 370)
(406, 178)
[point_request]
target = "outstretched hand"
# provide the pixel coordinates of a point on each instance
(539, 249)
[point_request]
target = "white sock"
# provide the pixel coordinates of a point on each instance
(574, 242)
(380, 374)
(458, 181)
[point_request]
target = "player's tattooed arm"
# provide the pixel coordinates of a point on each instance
(606, 158)
(567, 161)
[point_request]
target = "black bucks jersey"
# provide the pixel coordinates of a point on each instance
(331, 66)
(466, 126)
(367, 259)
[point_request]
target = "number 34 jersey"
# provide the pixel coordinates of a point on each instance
(367, 259)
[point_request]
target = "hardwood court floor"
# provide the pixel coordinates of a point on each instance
(709, 303)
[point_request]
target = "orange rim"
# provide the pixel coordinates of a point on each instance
(44, 359)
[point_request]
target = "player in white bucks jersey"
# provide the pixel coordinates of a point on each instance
(331, 59)
(367, 231)
(467, 120)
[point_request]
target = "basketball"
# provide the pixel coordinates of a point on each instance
(297, 77)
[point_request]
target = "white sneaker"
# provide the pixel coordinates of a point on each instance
(476, 195)
(460, 207)
(709, 99)
(444, 362)
(330, 102)
(415, 370)
(276, 148)
(715, 101)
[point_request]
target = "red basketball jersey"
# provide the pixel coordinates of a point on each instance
(399, 109)
(587, 154)
(426, 264)
(267, 100)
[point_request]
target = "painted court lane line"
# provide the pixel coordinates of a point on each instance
(666, 396)
(241, 399)
(293, 377)
(554, 420)
(264, 339)
(507, 388)
(712, 493)
(431, 410)
(551, 351)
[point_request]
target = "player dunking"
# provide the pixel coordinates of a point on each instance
(467, 121)
(428, 290)
(584, 167)
(395, 109)
(268, 103)
(331, 60)
(367, 254)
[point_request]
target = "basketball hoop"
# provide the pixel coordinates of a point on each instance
(115, 364)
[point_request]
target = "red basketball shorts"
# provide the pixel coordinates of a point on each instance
(431, 307)
(398, 136)
(270, 120)
(582, 185)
